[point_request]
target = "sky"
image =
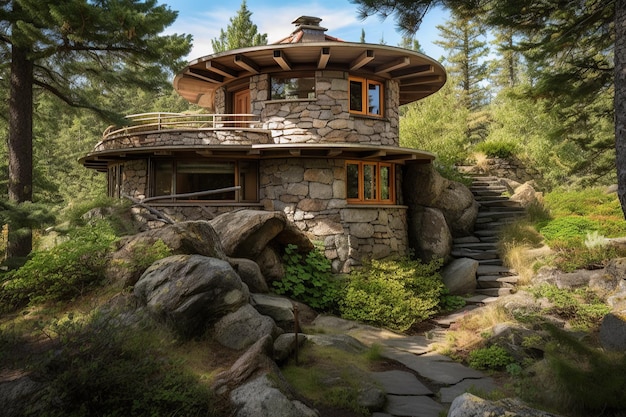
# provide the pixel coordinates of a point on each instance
(203, 20)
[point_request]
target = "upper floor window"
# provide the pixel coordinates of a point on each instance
(285, 88)
(370, 182)
(173, 177)
(366, 96)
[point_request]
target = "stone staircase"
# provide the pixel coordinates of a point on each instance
(495, 211)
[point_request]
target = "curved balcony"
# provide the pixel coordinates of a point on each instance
(179, 129)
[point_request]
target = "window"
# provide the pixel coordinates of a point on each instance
(285, 88)
(370, 182)
(366, 97)
(171, 177)
(115, 179)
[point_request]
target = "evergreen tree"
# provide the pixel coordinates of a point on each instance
(362, 36)
(409, 42)
(507, 69)
(240, 33)
(72, 49)
(463, 39)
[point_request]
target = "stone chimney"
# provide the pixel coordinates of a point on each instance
(308, 29)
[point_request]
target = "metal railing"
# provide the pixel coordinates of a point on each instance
(149, 122)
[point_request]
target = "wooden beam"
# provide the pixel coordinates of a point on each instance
(426, 79)
(362, 60)
(247, 64)
(416, 88)
(407, 72)
(393, 65)
(324, 57)
(205, 152)
(282, 60)
(334, 152)
(294, 152)
(374, 154)
(205, 75)
(221, 69)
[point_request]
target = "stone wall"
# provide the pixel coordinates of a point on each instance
(195, 137)
(312, 193)
(135, 179)
(510, 168)
(325, 118)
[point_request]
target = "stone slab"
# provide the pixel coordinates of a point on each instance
(447, 320)
(412, 344)
(412, 406)
(433, 366)
(483, 385)
(400, 383)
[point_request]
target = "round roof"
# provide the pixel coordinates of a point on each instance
(305, 50)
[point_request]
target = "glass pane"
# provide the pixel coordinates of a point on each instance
(369, 182)
(373, 96)
(352, 174)
(385, 183)
(356, 96)
(194, 176)
(292, 88)
(163, 178)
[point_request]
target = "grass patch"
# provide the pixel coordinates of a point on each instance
(331, 377)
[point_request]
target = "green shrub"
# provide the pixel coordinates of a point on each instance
(393, 293)
(581, 307)
(567, 229)
(308, 278)
(497, 148)
(493, 357)
(62, 273)
(105, 369)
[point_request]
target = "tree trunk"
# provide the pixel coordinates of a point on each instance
(20, 146)
(620, 100)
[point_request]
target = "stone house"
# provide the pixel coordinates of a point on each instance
(308, 126)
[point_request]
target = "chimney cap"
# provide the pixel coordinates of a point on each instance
(307, 20)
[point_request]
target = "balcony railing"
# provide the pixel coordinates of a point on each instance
(154, 122)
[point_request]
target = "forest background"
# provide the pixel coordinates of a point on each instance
(537, 90)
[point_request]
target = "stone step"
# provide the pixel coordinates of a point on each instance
(490, 239)
(488, 224)
(494, 270)
(465, 239)
(496, 281)
(498, 214)
(480, 299)
(490, 209)
(495, 292)
(490, 262)
(478, 255)
(491, 192)
(486, 233)
(502, 201)
(476, 246)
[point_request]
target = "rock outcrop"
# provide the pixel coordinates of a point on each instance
(190, 291)
(469, 405)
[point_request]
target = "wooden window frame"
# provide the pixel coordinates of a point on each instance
(239, 194)
(377, 179)
(365, 104)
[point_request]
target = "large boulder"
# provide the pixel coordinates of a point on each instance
(280, 309)
(250, 273)
(526, 195)
(422, 185)
(261, 398)
(190, 291)
(459, 207)
(185, 238)
(242, 328)
(459, 276)
(429, 235)
(469, 405)
(246, 233)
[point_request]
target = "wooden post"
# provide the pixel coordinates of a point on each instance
(296, 330)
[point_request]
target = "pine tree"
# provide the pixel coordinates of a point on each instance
(463, 39)
(409, 42)
(240, 33)
(71, 49)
